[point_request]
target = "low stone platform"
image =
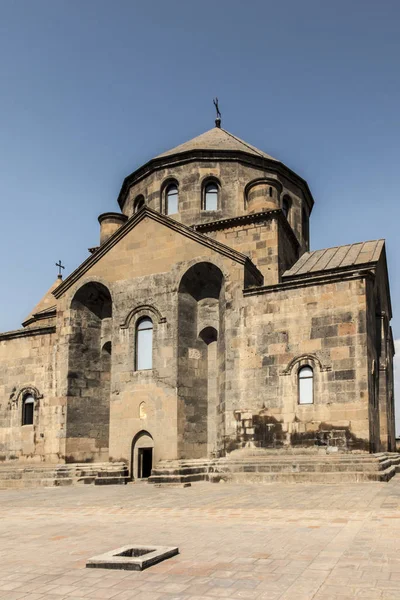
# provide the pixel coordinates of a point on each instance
(30, 475)
(280, 467)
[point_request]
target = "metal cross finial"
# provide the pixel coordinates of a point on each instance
(219, 116)
(60, 266)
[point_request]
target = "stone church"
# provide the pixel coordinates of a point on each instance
(202, 325)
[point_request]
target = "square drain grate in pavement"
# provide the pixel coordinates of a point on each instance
(134, 558)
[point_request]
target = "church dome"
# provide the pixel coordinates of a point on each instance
(216, 144)
(217, 176)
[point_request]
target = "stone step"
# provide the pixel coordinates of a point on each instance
(353, 458)
(315, 477)
(378, 467)
(63, 475)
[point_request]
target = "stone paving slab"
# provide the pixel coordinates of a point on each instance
(263, 542)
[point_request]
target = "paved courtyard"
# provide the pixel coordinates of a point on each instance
(286, 541)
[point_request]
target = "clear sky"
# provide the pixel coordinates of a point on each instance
(91, 89)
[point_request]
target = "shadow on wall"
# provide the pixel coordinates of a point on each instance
(201, 307)
(265, 431)
(89, 367)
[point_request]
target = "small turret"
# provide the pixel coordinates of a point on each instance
(109, 223)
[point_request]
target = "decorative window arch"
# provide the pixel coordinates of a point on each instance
(139, 203)
(171, 199)
(28, 407)
(144, 309)
(305, 376)
(211, 194)
(144, 344)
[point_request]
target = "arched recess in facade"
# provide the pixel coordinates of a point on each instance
(201, 361)
(89, 372)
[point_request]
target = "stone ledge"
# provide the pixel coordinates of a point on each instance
(20, 333)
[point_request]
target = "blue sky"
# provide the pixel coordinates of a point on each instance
(92, 89)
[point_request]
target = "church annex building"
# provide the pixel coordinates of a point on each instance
(202, 324)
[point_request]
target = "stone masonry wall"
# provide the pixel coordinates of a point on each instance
(143, 273)
(29, 363)
(233, 177)
(267, 243)
(323, 326)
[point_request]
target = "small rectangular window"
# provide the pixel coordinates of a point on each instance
(306, 391)
(306, 387)
(211, 197)
(172, 200)
(144, 341)
(27, 411)
(144, 344)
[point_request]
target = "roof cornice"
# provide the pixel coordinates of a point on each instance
(39, 316)
(320, 278)
(167, 222)
(21, 333)
(262, 162)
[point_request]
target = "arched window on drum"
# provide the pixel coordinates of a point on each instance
(171, 199)
(211, 193)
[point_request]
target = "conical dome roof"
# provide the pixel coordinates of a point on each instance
(216, 139)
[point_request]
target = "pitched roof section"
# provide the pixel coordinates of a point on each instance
(47, 303)
(216, 139)
(167, 222)
(339, 257)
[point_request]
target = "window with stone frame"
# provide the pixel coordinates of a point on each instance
(211, 196)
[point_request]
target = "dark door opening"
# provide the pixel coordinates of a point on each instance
(145, 462)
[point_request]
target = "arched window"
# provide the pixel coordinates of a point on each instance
(171, 199)
(211, 196)
(144, 344)
(138, 204)
(306, 387)
(286, 206)
(28, 404)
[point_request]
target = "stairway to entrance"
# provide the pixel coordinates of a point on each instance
(270, 467)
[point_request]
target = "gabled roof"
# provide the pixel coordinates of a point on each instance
(46, 305)
(167, 222)
(337, 258)
(216, 139)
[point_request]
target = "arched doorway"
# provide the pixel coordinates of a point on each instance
(142, 455)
